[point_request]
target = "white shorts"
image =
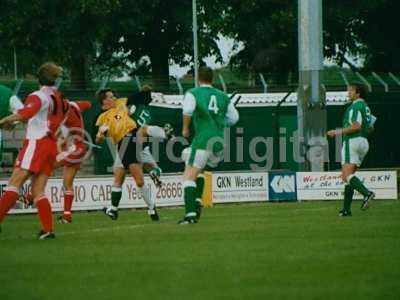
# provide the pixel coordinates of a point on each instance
(354, 151)
(201, 158)
(147, 157)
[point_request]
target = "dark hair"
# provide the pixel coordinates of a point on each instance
(48, 73)
(360, 88)
(146, 88)
(205, 74)
(101, 94)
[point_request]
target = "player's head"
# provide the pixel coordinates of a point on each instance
(106, 98)
(48, 73)
(205, 75)
(357, 90)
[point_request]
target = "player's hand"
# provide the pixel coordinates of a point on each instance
(169, 130)
(103, 129)
(185, 132)
(7, 126)
(332, 133)
(132, 109)
(4, 124)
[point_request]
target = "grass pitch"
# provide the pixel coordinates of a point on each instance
(248, 251)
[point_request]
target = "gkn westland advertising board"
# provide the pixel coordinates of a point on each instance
(329, 185)
(282, 186)
(239, 187)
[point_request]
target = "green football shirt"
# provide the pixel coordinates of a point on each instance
(5, 95)
(142, 115)
(358, 111)
(209, 116)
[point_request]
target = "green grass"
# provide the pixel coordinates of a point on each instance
(249, 251)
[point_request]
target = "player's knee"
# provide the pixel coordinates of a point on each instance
(37, 193)
(139, 182)
(346, 176)
(68, 187)
(118, 182)
(119, 176)
(190, 173)
(185, 154)
(68, 184)
(38, 197)
(139, 179)
(18, 178)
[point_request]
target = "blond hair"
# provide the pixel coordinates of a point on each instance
(48, 73)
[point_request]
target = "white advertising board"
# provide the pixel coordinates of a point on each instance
(329, 185)
(95, 193)
(239, 187)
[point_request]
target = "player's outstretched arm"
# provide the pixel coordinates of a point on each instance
(232, 115)
(8, 121)
(186, 125)
(100, 136)
(188, 107)
(143, 97)
(355, 127)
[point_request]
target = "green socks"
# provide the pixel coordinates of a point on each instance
(199, 194)
(348, 197)
(156, 171)
(116, 194)
(200, 187)
(356, 183)
(190, 193)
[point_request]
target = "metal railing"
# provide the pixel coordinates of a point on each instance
(228, 81)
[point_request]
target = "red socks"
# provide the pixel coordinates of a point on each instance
(11, 196)
(8, 200)
(45, 215)
(68, 199)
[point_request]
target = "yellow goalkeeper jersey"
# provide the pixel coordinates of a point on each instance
(118, 121)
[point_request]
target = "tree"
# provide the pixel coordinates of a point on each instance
(109, 36)
(379, 36)
(104, 35)
(62, 31)
(268, 30)
(363, 28)
(352, 28)
(162, 30)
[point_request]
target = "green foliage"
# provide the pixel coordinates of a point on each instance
(363, 28)
(96, 38)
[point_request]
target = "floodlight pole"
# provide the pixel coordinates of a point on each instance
(195, 44)
(311, 112)
(15, 64)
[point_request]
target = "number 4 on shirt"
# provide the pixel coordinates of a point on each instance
(212, 106)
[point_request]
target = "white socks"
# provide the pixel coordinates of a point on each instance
(144, 191)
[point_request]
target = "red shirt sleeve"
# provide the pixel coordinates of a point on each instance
(84, 105)
(31, 107)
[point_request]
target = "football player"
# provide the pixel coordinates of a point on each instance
(44, 111)
(357, 123)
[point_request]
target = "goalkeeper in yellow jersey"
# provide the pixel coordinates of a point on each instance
(116, 122)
